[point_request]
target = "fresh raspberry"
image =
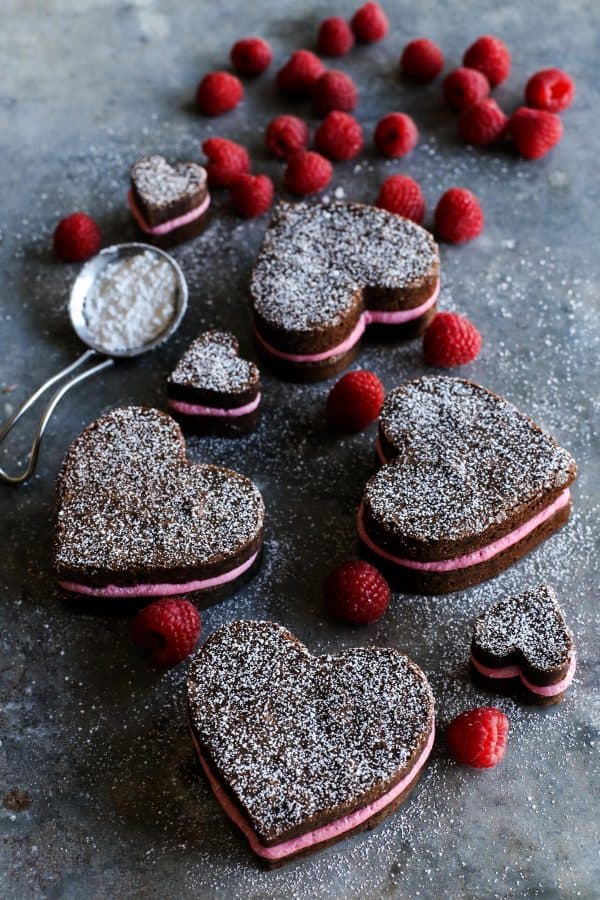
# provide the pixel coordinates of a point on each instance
(478, 737)
(251, 56)
(218, 92)
(339, 136)
(550, 89)
(401, 195)
(534, 131)
(227, 160)
(421, 60)
(307, 173)
(335, 37)
(167, 629)
(458, 216)
(450, 340)
(286, 135)
(335, 90)
(489, 55)
(251, 195)
(76, 237)
(482, 124)
(369, 23)
(357, 592)
(396, 135)
(299, 75)
(354, 401)
(463, 87)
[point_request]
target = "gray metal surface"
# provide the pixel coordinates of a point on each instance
(100, 793)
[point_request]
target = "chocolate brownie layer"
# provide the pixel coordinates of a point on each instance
(178, 235)
(426, 582)
(214, 426)
(512, 687)
(297, 741)
(321, 266)
(307, 372)
(132, 510)
(466, 468)
(163, 192)
(367, 825)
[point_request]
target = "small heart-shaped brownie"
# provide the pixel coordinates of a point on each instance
(469, 484)
(302, 750)
(168, 202)
(326, 272)
(136, 518)
(212, 390)
(525, 637)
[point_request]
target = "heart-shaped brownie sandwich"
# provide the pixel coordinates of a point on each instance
(302, 750)
(525, 638)
(136, 518)
(168, 202)
(212, 390)
(326, 272)
(468, 485)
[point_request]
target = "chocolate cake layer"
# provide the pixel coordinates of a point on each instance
(178, 235)
(321, 266)
(427, 582)
(299, 741)
(133, 510)
(308, 372)
(370, 823)
(213, 426)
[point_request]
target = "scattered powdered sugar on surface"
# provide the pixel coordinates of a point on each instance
(100, 739)
(315, 258)
(212, 362)
(131, 302)
(159, 183)
(296, 736)
(129, 501)
(466, 460)
(533, 623)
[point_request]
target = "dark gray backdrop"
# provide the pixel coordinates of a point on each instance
(97, 741)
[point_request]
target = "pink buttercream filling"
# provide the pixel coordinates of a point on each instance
(195, 409)
(548, 690)
(157, 590)
(172, 224)
(369, 316)
(477, 556)
(319, 835)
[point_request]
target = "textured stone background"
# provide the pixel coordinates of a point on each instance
(100, 792)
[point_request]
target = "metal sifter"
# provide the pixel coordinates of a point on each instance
(84, 282)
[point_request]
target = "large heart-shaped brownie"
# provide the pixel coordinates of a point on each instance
(526, 637)
(136, 518)
(301, 750)
(324, 272)
(469, 483)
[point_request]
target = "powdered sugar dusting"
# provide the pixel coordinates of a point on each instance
(129, 501)
(296, 736)
(466, 460)
(532, 623)
(315, 258)
(212, 362)
(131, 302)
